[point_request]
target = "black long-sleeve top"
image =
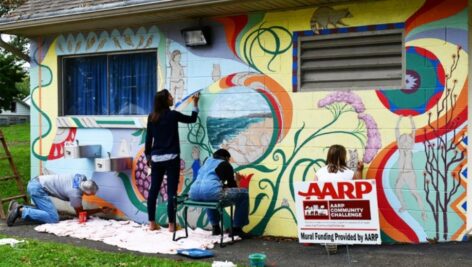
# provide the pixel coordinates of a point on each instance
(226, 174)
(162, 137)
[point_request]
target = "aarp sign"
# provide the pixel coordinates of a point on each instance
(343, 212)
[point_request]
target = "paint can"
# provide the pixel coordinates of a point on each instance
(82, 217)
(257, 260)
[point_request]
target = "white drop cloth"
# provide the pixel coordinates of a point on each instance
(10, 241)
(132, 236)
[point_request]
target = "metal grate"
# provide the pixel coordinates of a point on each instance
(357, 60)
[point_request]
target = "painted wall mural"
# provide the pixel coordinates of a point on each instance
(413, 140)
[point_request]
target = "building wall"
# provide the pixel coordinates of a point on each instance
(277, 136)
(21, 110)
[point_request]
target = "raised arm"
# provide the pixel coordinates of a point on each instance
(358, 173)
(192, 118)
(397, 129)
(413, 128)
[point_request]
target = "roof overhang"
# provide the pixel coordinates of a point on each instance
(148, 13)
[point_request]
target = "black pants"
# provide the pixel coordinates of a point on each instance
(172, 169)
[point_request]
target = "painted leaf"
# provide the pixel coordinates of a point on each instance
(102, 43)
(90, 42)
(149, 41)
(128, 40)
(69, 46)
(263, 168)
(117, 42)
(141, 41)
(259, 198)
(137, 133)
(60, 47)
(77, 47)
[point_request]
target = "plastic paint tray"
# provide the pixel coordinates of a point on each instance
(195, 253)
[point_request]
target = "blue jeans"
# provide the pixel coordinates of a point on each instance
(238, 196)
(45, 211)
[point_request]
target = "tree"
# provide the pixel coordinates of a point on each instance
(18, 45)
(11, 73)
(14, 53)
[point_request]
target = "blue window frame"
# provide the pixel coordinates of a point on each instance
(109, 84)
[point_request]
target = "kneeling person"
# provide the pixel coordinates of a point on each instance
(68, 187)
(216, 181)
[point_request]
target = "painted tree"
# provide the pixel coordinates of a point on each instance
(441, 181)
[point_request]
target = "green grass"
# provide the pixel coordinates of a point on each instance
(18, 141)
(39, 253)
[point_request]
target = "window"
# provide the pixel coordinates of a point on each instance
(369, 59)
(109, 84)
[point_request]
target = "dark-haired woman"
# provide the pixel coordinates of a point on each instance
(162, 151)
(337, 170)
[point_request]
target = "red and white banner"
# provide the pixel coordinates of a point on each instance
(343, 212)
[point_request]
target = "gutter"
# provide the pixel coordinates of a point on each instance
(112, 10)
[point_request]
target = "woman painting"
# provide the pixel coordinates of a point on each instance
(162, 151)
(336, 169)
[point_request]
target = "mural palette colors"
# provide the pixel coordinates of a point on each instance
(412, 139)
(424, 84)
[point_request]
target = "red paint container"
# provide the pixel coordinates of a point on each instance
(82, 217)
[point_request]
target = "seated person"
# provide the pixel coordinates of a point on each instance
(336, 170)
(216, 181)
(68, 187)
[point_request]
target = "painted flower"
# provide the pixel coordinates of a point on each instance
(245, 180)
(374, 142)
(343, 96)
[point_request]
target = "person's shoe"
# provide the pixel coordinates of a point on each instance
(238, 231)
(331, 248)
(215, 230)
(13, 213)
(10, 205)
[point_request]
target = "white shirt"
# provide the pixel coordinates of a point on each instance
(324, 176)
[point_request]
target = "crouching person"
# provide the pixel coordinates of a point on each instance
(216, 181)
(69, 188)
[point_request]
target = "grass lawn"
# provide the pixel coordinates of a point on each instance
(18, 141)
(38, 253)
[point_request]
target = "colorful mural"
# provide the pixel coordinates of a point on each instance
(412, 140)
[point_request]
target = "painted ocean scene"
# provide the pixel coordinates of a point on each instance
(240, 121)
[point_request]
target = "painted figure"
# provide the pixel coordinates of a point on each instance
(406, 172)
(177, 76)
(353, 159)
(162, 151)
(196, 164)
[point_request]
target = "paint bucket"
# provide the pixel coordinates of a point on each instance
(257, 260)
(82, 217)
